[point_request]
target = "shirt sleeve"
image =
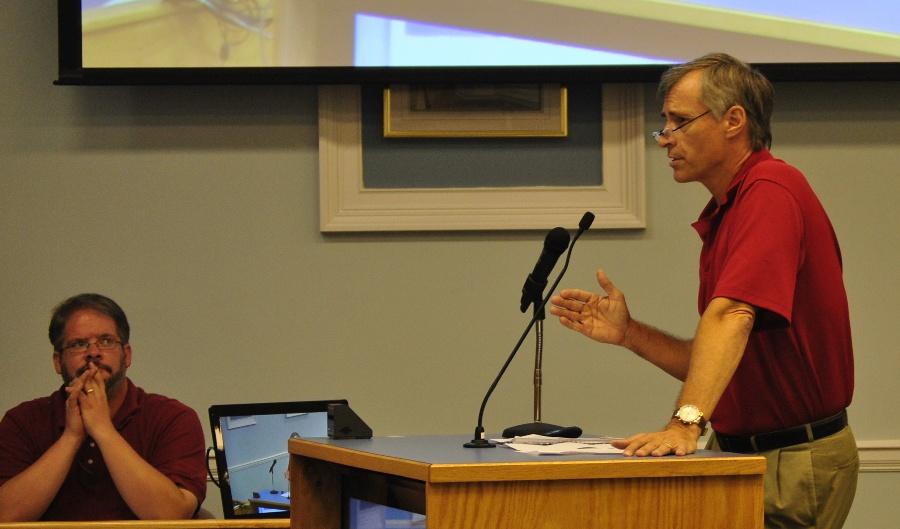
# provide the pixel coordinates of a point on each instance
(764, 252)
(16, 454)
(180, 452)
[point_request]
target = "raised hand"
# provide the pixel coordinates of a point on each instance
(604, 319)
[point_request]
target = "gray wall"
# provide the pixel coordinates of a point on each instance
(197, 209)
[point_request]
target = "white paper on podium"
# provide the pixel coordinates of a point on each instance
(543, 445)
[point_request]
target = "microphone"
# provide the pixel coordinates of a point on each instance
(585, 223)
(537, 426)
(273, 490)
(555, 244)
(478, 441)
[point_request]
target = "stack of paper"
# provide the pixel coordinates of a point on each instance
(543, 445)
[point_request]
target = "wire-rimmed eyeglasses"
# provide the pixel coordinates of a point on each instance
(665, 133)
(104, 343)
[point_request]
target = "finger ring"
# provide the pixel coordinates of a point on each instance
(90, 390)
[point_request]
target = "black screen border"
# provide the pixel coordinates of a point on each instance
(218, 411)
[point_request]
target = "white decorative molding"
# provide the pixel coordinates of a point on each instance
(267, 460)
(879, 456)
(346, 205)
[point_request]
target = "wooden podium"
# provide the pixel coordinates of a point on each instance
(498, 488)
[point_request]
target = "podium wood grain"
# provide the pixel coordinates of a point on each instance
(633, 503)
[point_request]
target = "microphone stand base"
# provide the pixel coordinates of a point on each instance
(478, 440)
(542, 428)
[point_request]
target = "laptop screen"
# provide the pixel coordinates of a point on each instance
(250, 442)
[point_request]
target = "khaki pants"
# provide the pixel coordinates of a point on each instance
(810, 485)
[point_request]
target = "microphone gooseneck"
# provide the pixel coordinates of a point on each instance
(478, 440)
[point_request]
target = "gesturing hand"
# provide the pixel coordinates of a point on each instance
(604, 319)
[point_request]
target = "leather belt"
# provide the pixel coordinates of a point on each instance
(804, 433)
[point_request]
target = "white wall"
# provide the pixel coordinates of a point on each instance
(196, 209)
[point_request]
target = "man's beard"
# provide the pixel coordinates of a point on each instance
(113, 382)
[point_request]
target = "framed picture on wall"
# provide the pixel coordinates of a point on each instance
(346, 204)
(475, 110)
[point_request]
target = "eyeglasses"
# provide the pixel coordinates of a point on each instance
(104, 343)
(665, 133)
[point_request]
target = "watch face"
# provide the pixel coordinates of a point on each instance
(689, 414)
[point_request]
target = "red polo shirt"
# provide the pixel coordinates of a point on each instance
(770, 244)
(165, 432)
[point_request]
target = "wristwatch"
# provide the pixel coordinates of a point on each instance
(690, 414)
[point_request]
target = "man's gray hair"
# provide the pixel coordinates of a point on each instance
(727, 82)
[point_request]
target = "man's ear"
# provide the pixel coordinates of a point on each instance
(127, 350)
(735, 120)
(57, 362)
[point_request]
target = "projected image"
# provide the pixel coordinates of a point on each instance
(379, 33)
(178, 33)
(877, 15)
(380, 41)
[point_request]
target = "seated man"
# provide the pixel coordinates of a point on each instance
(99, 447)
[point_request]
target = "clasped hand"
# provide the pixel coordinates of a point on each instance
(87, 408)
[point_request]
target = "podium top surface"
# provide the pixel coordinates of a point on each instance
(444, 459)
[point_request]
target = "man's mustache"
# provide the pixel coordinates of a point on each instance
(87, 366)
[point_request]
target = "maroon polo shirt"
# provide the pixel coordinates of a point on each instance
(165, 432)
(770, 244)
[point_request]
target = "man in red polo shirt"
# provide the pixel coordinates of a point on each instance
(99, 448)
(771, 363)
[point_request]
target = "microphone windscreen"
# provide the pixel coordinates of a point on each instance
(586, 220)
(557, 240)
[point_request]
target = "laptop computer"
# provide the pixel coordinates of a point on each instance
(250, 445)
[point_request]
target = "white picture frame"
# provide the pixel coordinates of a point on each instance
(346, 205)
